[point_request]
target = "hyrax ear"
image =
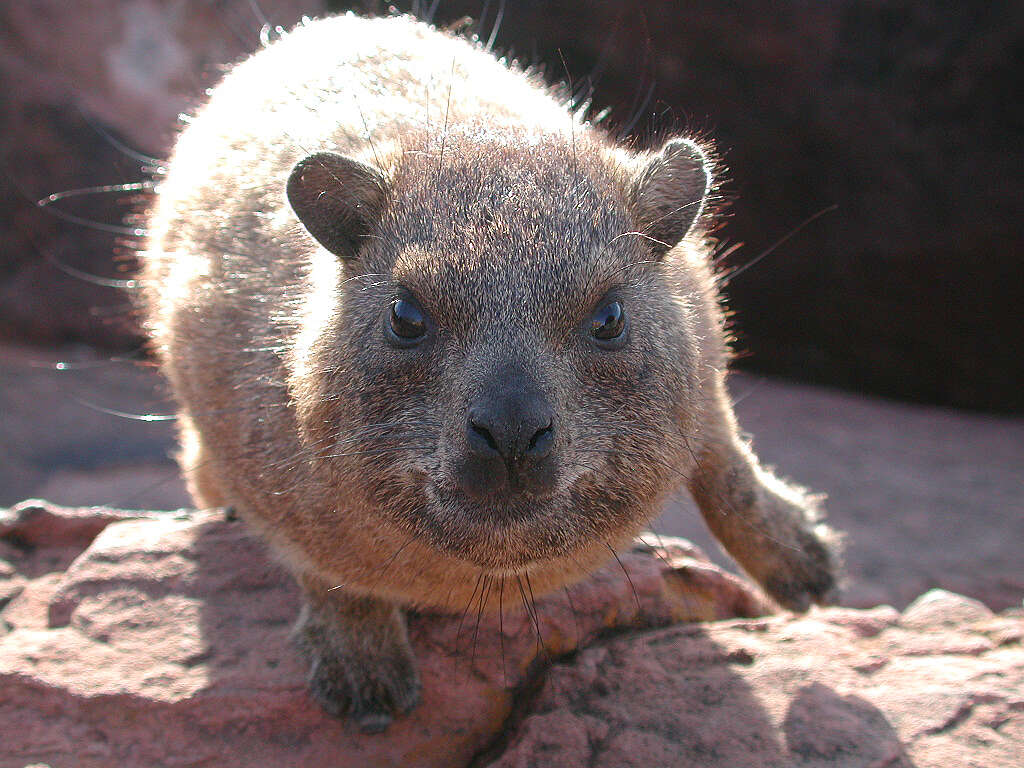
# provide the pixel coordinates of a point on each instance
(337, 199)
(668, 192)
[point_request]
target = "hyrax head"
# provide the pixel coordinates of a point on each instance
(503, 351)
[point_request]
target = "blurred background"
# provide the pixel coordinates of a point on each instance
(881, 141)
(906, 116)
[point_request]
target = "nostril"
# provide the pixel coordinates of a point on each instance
(485, 434)
(541, 440)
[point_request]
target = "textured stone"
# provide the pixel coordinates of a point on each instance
(165, 642)
(803, 692)
(938, 608)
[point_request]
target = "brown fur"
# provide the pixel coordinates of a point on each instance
(468, 186)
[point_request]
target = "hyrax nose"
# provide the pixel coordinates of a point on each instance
(517, 430)
(511, 434)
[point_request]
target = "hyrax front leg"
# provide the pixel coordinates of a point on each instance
(771, 528)
(360, 660)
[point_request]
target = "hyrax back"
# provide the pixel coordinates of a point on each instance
(423, 325)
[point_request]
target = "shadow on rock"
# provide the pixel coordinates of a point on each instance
(671, 697)
(823, 728)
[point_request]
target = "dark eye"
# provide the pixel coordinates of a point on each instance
(406, 322)
(608, 323)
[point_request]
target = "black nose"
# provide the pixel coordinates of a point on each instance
(510, 436)
(524, 430)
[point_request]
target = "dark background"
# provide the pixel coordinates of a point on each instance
(905, 116)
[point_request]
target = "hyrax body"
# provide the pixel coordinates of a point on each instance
(423, 325)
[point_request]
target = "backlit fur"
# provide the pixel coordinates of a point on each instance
(509, 221)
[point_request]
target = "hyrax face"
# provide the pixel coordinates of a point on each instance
(508, 351)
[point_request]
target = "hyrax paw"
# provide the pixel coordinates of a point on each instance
(361, 664)
(371, 692)
(804, 571)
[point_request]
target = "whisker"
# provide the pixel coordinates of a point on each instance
(497, 25)
(484, 593)
(261, 17)
(429, 18)
(640, 110)
(529, 613)
(136, 186)
(636, 597)
(726, 252)
(730, 275)
(469, 604)
(85, 365)
(501, 628)
(447, 109)
(155, 164)
(125, 415)
(753, 388)
(536, 615)
(575, 616)
(387, 563)
(643, 235)
(572, 119)
(374, 451)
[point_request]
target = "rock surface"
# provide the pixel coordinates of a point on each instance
(137, 639)
(163, 640)
(942, 685)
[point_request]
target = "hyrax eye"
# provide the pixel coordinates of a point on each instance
(608, 324)
(406, 322)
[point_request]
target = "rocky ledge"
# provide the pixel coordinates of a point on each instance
(161, 639)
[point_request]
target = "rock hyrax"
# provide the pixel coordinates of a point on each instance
(424, 325)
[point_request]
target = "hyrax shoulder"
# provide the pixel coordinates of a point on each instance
(424, 324)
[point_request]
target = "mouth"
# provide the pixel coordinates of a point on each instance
(513, 508)
(501, 533)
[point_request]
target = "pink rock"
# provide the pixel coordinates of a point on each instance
(812, 691)
(939, 608)
(866, 623)
(168, 635)
(37, 523)
(165, 642)
(54, 535)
